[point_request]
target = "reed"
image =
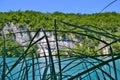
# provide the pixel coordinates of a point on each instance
(76, 66)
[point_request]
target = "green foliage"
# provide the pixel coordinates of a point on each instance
(107, 22)
(74, 67)
(84, 51)
(13, 49)
(37, 19)
(116, 48)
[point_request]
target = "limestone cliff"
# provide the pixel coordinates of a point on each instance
(20, 35)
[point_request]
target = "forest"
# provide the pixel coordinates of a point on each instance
(107, 22)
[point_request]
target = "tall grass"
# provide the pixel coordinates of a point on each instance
(47, 67)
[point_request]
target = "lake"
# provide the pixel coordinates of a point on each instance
(69, 67)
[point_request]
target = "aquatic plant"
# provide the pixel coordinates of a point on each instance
(77, 64)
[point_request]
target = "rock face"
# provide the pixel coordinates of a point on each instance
(21, 36)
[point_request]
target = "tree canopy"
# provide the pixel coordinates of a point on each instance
(107, 21)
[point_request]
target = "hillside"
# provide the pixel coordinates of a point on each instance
(109, 20)
(103, 26)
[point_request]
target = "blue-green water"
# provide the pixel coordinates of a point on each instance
(69, 66)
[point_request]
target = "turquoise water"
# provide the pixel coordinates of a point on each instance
(70, 67)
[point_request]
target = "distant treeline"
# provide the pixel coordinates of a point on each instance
(108, 21)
